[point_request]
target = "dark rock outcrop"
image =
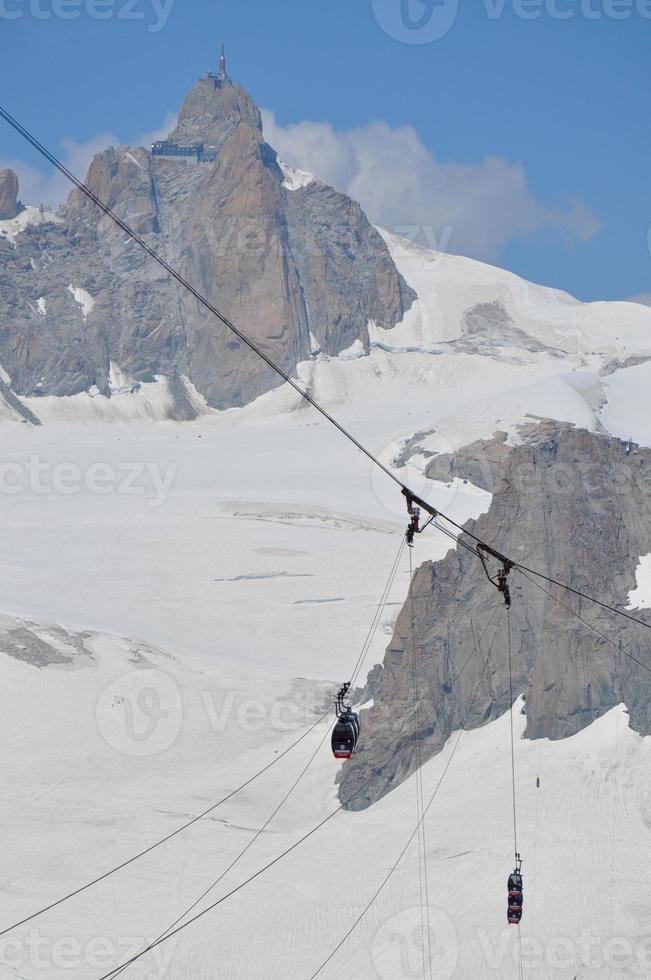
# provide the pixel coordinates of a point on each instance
(345, 269)
(278, 263)
(575, 506)
(479, 463)
(8, 194)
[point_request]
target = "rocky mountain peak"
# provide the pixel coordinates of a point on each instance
(8, 195)
(290, 265)
(211, 110)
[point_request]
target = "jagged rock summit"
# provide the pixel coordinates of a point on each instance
(8, 195)
(79, 302)
(212, 109)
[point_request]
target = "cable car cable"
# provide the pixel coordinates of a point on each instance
(247, 881)
(325, 820)
(515, 819)
(48, 155)
(163, 840)
(422, 844)
(195, 292)
(235, 860)
(287, 378)
(585, 622)
(381, 605)
(402, 853)
(225, 799)
(523, 571)
(581, 595)
(367, 643)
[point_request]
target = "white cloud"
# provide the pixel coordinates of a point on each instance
(169, 124)
(471, 209)
(51, 188)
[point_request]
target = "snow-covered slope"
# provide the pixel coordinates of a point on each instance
(221, 576)
(480, 348)
(102, 781)
(451, 286)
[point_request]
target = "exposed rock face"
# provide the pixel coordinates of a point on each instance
(8, 194)
(278, 263)
(479, 463)
(212, 112)
(575, 506)
(346, 272)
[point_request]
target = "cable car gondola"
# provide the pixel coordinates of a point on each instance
(345, 734)
(516, 896)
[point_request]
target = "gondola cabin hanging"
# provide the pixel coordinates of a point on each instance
(516, 894)
(345, 733)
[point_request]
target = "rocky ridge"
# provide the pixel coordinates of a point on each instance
(8, 195)
(575, 505)
(286, 265)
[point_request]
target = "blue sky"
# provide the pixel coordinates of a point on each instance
(523, 140)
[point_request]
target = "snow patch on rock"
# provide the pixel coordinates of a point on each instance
(295, 179)
(10, 229)
(131, 157)
(640, 597)
(119, 381)
(84, 299)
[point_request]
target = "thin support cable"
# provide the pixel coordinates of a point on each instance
(585, 622)
(366, 645)
(420, 797)
(168, 837)
(515, 820)
(425, 812)
(245, 339)
(380, 607)
(322, 823)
